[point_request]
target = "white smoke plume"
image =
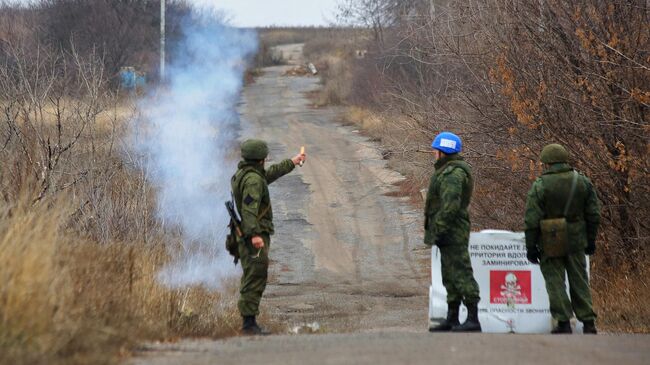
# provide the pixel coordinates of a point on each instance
(186, 134)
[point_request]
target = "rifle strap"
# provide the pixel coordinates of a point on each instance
(264, 211)
(572, 192)
(246, 172)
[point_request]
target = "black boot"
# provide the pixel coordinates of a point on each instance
(450, 322)
(471, 324)
(562, 328)
(589, 328)
(250, 327)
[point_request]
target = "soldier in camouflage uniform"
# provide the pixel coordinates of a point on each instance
(447, 225)
(250, 189)
(549, 199)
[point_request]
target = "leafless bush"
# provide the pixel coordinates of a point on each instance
(80, 244)
(516, 76)
(123, 33)
(67, 300)
(60, 130)
(513, 76)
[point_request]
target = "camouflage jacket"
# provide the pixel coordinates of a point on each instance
(547, 199)
(250, 186)
(446, 218)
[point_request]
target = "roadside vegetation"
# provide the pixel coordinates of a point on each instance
(321, 44)
(510, 78)
(80, 242)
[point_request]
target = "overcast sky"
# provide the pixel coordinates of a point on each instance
(256, 13)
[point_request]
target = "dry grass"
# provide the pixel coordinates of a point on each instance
(68, 300)
(621, 295)
(80, 244)
(336, 80)
(297, 72)
(333, 51)
(400, 142)
(370, 122)
(71, 299)
(34, 295)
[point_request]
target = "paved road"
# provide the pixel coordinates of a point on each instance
(409, 348)
(342, 257)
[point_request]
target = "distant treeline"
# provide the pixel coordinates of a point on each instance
(273, 36)
(119, 32)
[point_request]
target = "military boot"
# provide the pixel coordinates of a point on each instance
(471, 324)
(251, 328)
(589, 328)
(562, 328)
(450, 322)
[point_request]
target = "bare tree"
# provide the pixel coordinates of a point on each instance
(125, 31)
(61, 128)
(513, 76)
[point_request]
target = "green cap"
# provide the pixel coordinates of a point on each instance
(554, 153)
(254, 149)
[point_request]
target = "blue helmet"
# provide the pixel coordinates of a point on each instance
(448, 143)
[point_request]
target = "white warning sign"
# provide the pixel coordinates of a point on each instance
(513, 292)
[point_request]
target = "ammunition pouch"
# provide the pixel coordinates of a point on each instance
(232, 244)
(555, 237)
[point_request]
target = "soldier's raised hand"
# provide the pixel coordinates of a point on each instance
(299, 159)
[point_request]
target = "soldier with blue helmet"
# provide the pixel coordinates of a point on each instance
(447, 225)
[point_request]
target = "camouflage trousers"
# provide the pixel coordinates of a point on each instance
(457, 274)
(255, 274)
(574, 266)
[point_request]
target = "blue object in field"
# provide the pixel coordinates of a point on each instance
(131, 79)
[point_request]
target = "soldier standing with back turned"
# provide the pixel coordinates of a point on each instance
(447, 225)
(250, 186)
(562, 219)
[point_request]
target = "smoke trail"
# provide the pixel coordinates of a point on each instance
(186, 134)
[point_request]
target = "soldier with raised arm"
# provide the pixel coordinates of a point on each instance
(250, 186)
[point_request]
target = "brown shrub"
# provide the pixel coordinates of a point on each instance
(621, 295)
(66, 299)
(512, 77)
(333, 51)
(80, 244)
(335, 76)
